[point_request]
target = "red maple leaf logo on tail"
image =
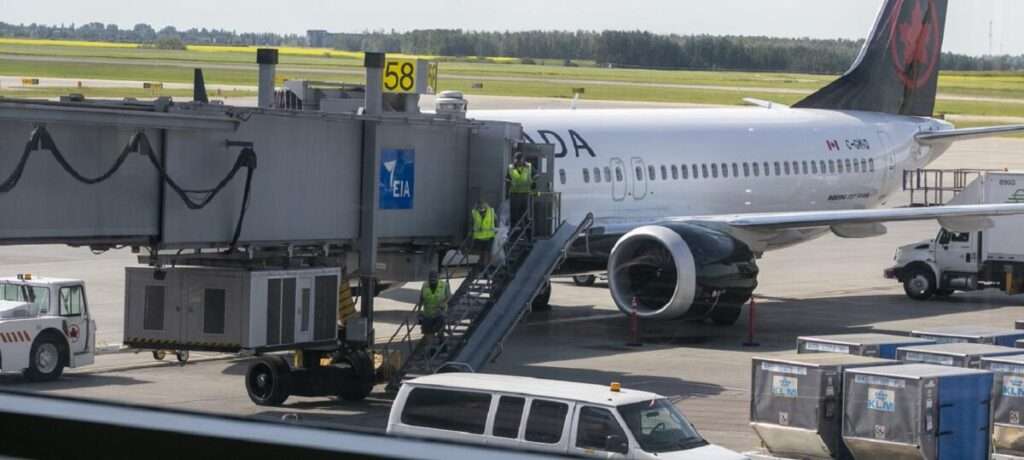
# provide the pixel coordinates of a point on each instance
(915, 42)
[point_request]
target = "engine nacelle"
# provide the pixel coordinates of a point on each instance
(680, 270)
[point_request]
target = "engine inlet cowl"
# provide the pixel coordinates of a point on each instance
(653, 268)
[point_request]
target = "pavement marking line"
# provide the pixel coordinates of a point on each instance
(577, 320)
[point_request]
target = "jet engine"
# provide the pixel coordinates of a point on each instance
(681, 271)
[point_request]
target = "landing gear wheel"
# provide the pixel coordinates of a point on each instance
(919, 284)
(543, 300)
(45, 362)
(159, 355)
(268, 381)
(726, 315)
(584, 280)
(359, 384)
(182, 356)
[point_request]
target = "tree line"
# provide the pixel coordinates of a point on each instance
(607, 48)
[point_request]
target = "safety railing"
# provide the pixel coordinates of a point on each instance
(935, 187)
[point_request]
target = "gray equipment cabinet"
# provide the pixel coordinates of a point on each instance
(917, 411)
(868, 344)
(191, 308)
(796, 403)
(1007, 403)
(953, 354)
(971, 334)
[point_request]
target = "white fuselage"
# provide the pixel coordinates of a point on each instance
(736, 161)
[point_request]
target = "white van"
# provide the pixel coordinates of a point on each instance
(547, 416)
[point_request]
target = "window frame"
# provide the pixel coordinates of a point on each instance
(613, 415)
(566, 418)
(81, 301)
(405, 420)
(520, 424)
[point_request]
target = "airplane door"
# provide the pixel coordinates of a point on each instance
(619, 182)
(638, 173)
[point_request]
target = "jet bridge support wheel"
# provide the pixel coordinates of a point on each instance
(543, 300)
(359, 382)
(268, 381)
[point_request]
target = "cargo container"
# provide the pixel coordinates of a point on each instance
(953, 354)
(971, 334)
(867, 344)
(1007, 403)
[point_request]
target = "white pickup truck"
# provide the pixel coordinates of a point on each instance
(992, 258)
(44, 326)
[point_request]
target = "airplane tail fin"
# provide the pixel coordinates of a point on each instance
(897, 71)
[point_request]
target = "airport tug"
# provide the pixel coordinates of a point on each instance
(45, 326)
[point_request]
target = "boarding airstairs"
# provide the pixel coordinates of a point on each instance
(487, 306)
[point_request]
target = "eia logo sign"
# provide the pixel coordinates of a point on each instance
(397, 178)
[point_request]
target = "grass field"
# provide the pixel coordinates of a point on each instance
(228, 65)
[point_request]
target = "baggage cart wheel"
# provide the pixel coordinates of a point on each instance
(268, 381)
(359, 383)
(182, 356)
(584, 280)
(46, 361)
(159, 355)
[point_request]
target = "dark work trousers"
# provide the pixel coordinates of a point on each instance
(520, 207)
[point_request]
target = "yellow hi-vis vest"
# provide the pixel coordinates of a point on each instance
(483, 225)
(434, 300)
(521, 177)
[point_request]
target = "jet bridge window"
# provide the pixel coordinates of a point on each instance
(561, 176)
(586, 176)
(675, 172)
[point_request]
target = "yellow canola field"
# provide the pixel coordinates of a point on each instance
(79, 43)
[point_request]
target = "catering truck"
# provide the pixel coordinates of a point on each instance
(962, 259)
(45, 326)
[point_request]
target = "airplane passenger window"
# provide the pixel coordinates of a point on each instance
(639, 173)
(863, 165)
(704, 169)
(757, 169)
(805, 168)
(586, 176)
(607, 174)
(814, 167)
(778, 169)
(796, 168)
(824, 170)
(767, 170)
(714, 170)
(664, 173)
(839, 166)
(684, 172)
(871, 164)
(651, 175)
(675, 172)
(786, 164)
(735, 170)
(561, 176)
(849, 168)
(618, 174)
(831, 166)
(695, 175)
(856, 166)
(725, 170)
(597, 175)
(746, 169)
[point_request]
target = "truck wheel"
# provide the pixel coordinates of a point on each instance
(919, 283)
(45, 359)
(543, 300)
(182, 356)
(584, 280)
(159, 355)
(359, 383)
(268, 381)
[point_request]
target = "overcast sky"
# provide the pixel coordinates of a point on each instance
(967, 29)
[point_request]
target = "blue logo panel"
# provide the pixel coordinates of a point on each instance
(397, 178)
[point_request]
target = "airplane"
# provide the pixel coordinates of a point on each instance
(686, 200)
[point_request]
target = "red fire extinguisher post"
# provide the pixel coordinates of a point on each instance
(752, 313)
(634, 326)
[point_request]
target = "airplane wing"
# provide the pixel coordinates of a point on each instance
(953, 135)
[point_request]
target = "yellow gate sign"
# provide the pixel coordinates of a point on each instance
(410, 76)
(400, 76)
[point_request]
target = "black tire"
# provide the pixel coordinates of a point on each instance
(584, 280)
(45, 359)
(159, 355)
(944, 292)
(919, 284)
(543, 300)
(182, 356)
(268, 381)
(726, 315)
(359, 384)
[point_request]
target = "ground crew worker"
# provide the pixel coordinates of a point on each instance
(434, 302)
(484, 221)
(521, 185)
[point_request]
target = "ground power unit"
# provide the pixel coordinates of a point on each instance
(229, 310)
(971, 334)
(867, 344)
(953, 354)
(1007, 404)
(917, 411)
(796, 405)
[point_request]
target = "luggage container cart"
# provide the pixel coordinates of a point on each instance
(917, 411)
(796, 406)
(1007, 404)
(867, 344)
(971, 334)
(953, 354)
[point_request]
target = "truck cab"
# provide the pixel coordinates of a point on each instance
(45, 326)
